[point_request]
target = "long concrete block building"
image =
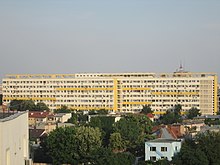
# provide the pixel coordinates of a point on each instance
(119, 92)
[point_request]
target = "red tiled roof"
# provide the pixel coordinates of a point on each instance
(150, 115)
(38, 114)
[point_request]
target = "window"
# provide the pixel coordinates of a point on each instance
(153, 158)
(152, 148)
(164, 149)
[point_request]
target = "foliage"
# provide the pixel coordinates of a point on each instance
(204, 150)
(209, 143)
(41, 106)
(63, 109)
(87, 140)
(107, 157)
(212, 122)
(27, 105)
(61, 145)
(172, 116)
(146, 109)
(73, 119)
(73, 145)
(116, 142)
(15, 104)
(134, 129)
(98, 112)
(159, 162)
(23, 105)
(1, 99)
(193, 112)
(105, 124)
(82, 119)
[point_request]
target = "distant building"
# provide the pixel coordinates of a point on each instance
(0, 89)
(14, 138)
(62, 117)
(117, 92)
(36, 117)
(218, 97)
(161, 149)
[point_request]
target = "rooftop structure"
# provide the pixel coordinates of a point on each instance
(118, 92)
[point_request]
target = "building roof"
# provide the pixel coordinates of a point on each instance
(162, 140)
(60, 114)
(10, 116)
(38, 114)
(150, 115)
(168, 131)
(36, 133)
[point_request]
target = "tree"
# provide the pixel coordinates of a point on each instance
(87, 140)
(41, 106)
(193, 112)
(73, 119)
(172, 116)
(61, 146)
(203, 149)
(63, 109)
(0, 99)
(105, 124)
(107, 157)
(15, 105)
(134, 130)
(27, 105)
(116, 142)
(190, 155)
(146, 109)
(73, 145)
(209, 143)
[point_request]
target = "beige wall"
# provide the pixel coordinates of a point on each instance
(14, 144)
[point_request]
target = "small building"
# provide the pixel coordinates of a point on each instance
(161, 149)
(62, 117)
(37, 117)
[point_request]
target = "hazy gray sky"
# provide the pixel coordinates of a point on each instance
(69, 36)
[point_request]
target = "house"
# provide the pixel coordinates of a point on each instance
(161, 149)
(174, 131)
(36, 134)
(62, 117)
(36, 117)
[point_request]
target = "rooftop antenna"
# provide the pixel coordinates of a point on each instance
(181, 66)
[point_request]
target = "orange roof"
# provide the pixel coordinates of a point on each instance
(34, 114)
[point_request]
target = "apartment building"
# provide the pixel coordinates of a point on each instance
(118, 92)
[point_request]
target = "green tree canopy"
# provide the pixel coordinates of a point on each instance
(41, 106)
(146, 109)
(134, 129)
(15, 104)
(87, 140)
(73, 145)
(172, 116)
(193, 112)
(61, 146)
(116, 142)
(63, 109)
(0, 99)
(204, 150)
(27, 105)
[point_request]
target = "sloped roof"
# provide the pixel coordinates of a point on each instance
(34, 114)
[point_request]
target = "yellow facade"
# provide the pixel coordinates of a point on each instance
(124, 92)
